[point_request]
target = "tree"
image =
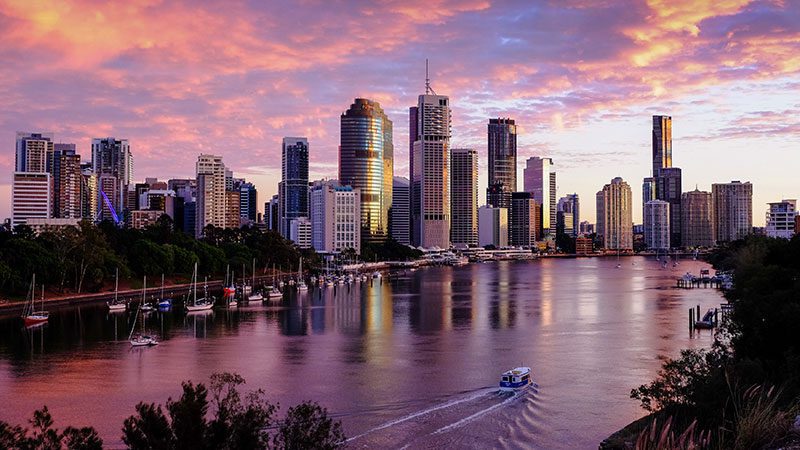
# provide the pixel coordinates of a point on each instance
(188, 415)
(149, 429)
(44, 436)
(307, 425)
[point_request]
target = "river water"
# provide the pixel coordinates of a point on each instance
(410, 361)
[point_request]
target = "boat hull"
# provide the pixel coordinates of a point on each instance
(34, 320)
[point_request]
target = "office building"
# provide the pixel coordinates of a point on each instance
(67, 182)
(233, 217)
(112, 163)
(570, 209)
(502, 149)
(210, 208)
(464, 196)
(523, 220)
(30, 197)
(430, 171)
(615, 215)
(366, 161)
(183, 187)
(648, 190)
(781, 219)
(293, 188)
(400, 212)
(300, 232)
(656, 225)
(697, 228)
(583, 246)
(272, 214)
(732, 210)
(143, 218)
(335, 217)
(539, 178)
(586, 228)
(248, 201)
(492, 226)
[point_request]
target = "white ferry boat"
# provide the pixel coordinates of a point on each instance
(516, 379)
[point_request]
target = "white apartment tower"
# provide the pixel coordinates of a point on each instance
(781, 219)
(335, 217)
(32, 185)
(210, 206)
(615, 215)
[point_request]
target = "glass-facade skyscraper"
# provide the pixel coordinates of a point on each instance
(502, 149)
(366, 161)
(662, 143)
(464, 196)
(293, 188)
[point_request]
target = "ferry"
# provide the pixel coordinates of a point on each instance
(516, 379)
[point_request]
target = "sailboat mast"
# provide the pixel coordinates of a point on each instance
(162, 286)
(116, 285)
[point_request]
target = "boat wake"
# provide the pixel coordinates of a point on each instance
(432, 422)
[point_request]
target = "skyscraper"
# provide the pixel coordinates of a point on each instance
(571, 209)
(400, 212)
(540, 179)
(335, 217)
(732, 210)
(293, 188)
(656, 225)
(492, 226)
(210, 208)
(34, 152)
(662, 143)
(696, 225)
(366, 158)
(32, 188)
(523, 223)
(67, 182)
(668, 189)
(248, 199)
(430, 174)
(112, 162)
(502, 146)
(615, 215)
(464, 196)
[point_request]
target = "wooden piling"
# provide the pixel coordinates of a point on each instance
(691, 319)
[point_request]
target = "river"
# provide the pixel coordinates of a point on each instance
(412, 360)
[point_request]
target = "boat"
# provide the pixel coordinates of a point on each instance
(376, 274)
(30, 315)
(255, 296)
(164, 304)
(202, 304)
(707, 322)
(301, 285)
(516, 379)
(141, 339)
(116, 305)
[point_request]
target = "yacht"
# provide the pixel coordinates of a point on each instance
(516, 379)
(141, 339)
(203, 304)
(30, 315)
(116, 305)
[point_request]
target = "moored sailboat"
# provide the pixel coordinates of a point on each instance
(202, 304)
(30, 315)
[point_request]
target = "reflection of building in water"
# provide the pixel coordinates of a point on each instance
(503, 310)
(376, 311)
(431, 310)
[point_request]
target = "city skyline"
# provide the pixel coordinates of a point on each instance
(587, 106)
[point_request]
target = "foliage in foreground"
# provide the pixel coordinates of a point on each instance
(238, 421)
(700, 389)
(44, 436)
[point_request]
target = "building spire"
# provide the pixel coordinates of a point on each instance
(428, 89)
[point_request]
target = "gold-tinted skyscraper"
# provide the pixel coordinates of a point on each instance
(662, 143)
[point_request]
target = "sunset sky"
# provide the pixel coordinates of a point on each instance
(581, 78)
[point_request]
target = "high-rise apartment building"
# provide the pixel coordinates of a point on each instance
(233, 218)
(248, 201)
(615, 215)
(662, 143)
(335, 217)
(781, 219)
(571, 208)
(210, 208)
(67, 183)
(300, 232)
(697, 228)
(430, 173)
(293, 188)
(366, 161)
(34, 152)
(648, 190)
(656, 225)
(464, 196)
(112, 162)
(492, 226)
(540, 180)
(502, 149)
(89, 192)
(400, 212)
(669, 189)
(272, 214)
(523, 223)
(732, 210)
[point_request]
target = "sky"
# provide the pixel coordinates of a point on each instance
(581, 78)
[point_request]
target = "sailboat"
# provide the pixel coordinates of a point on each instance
(116, 305)
(230, 295)
(141, 339)
(301, 284)
(202, 304)
(229, 287)
(29, 315)
(271, 291)
(164, 304)
(255, 296)
(145, 306)
(245, 288)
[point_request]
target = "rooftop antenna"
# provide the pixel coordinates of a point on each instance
(428, 89)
